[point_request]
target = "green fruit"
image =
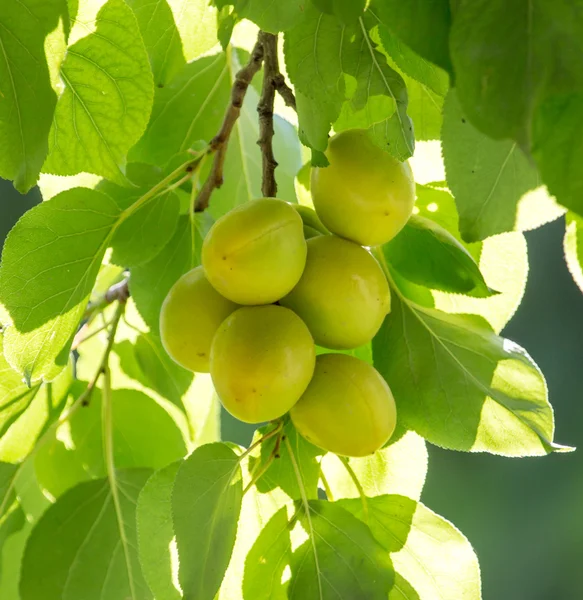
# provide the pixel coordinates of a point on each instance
(190, 316)
(262, 359)
(256, 253)
(343, 295)
(364, 195)
(348, 407)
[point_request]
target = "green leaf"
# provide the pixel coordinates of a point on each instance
(496, 188)
(191, 107)
(427, 254)
(49, 264)
(268, 15)
(206, 502)
(137, 420)
(28, 101)
(281, 473)
(151, 282)
(524, 51)
(428, 552)
(145, 232)
(267, 559)
(347, 11)
(413, 65)
(557, 148)
(11, 557)
(156, 532)
(423, 26)
(425, 109)
(193, 393)
(341, 558)
(502, 260)
(107, 98)
(161, 38)
(320, 52)
(426, 85)
(85, 546)
(226, 21)
(174, 32)
(10, 523)
(46, 404)
(256, 512)
(15, 395)
(7, 474)
(399, 468)
(573, 245)
(461, 386)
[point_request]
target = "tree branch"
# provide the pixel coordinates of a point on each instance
(219, 143)
(265, 110)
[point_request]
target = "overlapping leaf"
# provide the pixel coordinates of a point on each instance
(502, 260)
(97, 544)
(49, 264)
(268, 15)
(399, 468)
(107, 99)
(156, 532)
(495, 186)
(423, 26)
(151, 281)
(431, 557)
(174, 32)
(28, 100)
(340, 558)
(427, 254)
(206, 502)
(460, 386)
(330, 63)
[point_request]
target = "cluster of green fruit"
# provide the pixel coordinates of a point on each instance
(277, 279)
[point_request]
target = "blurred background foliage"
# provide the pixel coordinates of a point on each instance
(524, 517)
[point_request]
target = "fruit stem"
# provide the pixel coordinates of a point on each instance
(278, 427)
(358, 485)
(326, 485)
(257, 476)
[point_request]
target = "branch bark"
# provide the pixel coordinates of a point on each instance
(220, 142)
(265, 110)
(285, 91)
(119, 291)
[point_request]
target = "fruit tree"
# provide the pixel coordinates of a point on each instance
(304, 214)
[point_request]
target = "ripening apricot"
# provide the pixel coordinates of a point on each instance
(256, 253)
(364, 195)
(348, 407)
(262, 359)
(342, 296)
(190, 316)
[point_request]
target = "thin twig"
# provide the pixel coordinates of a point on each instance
(219, 143)
(358, 485)
(283, 89)
(265, 110)
(278, 427)
(85, 397)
